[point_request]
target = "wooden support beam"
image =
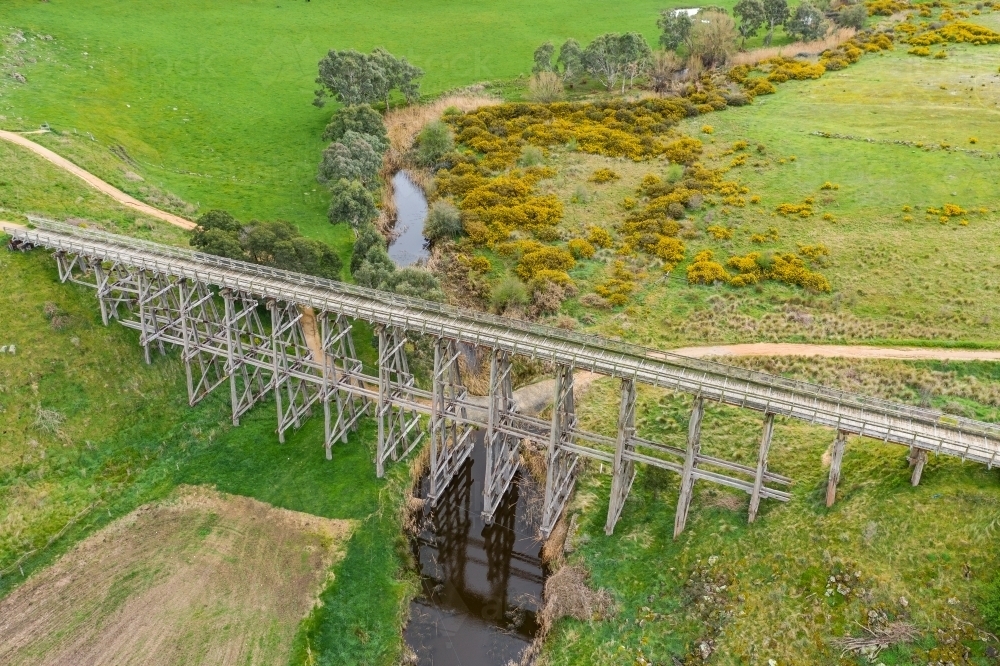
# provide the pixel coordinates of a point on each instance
(836, 459)
(623, 472)
(917, 459)
(690, 460)
(765, 447)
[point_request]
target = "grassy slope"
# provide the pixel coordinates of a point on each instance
(931, 544)
(240, 73)
(892, 280)
(127, 437)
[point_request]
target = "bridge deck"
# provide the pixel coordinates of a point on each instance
(848, 412)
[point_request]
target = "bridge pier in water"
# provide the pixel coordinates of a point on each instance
(302, 351)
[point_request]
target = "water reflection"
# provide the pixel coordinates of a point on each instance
(481, 585)
(409, 246)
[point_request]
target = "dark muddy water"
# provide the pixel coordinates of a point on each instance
(409, 247)
(481, 585)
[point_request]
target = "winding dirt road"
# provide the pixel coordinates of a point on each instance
(95, 182)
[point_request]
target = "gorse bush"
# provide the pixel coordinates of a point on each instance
(603, 175)
(581, 249)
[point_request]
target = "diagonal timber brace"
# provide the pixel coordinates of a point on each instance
(623, 472)
(298, 377)
(248, 353)
(691, 457)
(561, 473)
(341, 380)
(204, 340)
(836, 459)
(502, 458)
(765, 448)
(397, 424)
(451, 437)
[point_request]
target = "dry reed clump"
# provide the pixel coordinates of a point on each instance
(833, 40)
(568, 595)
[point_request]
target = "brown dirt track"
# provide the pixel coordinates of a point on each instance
(200, 578)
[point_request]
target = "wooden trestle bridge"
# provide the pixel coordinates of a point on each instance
(211, 308)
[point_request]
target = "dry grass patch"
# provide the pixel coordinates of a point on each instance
(834, 39)
(201, 577)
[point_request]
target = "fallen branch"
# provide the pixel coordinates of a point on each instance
(878, 639)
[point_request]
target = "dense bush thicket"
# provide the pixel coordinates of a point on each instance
(277, 244)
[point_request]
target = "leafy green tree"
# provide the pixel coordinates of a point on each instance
(367, 237)
(351, 77)
(416, 283)
(399, 74)
(543, 58)
(775, 14)
(433, 142)
(853, 16)
(570, 60)
(443, 221)
(351, 158)
(219, 243)
(362, 119)
(612, 57)
(675, 26)
(807, 23)
(277, 244)
(752, 18)
(351, 202)
(210, 226)
(357, 78)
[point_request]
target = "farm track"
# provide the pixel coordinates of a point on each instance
(95, 182)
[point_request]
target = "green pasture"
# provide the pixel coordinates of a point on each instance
(90, 432)
(212, 101)
(753, 593)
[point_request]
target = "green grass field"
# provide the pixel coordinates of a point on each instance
(213, 102)
(752, 593)
(90, 432)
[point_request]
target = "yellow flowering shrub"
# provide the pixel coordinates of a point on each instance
(814, 252)
(670, 250)
(475, 263)
(683, 150)
(829, 186)
(740, 145)
(783, 69)
(599, 236)
(581, 249)
(604, 175)
(886, 7)
(618, 286)
(919, 51)
(551, 258)
(802, 210)
(707, 129)
(704, 270)
(550, 275)
(719, 233)
(790, 269)
(952, 210)
(959, 31)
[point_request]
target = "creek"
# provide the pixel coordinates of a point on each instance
(409, 246)
(481, 585)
